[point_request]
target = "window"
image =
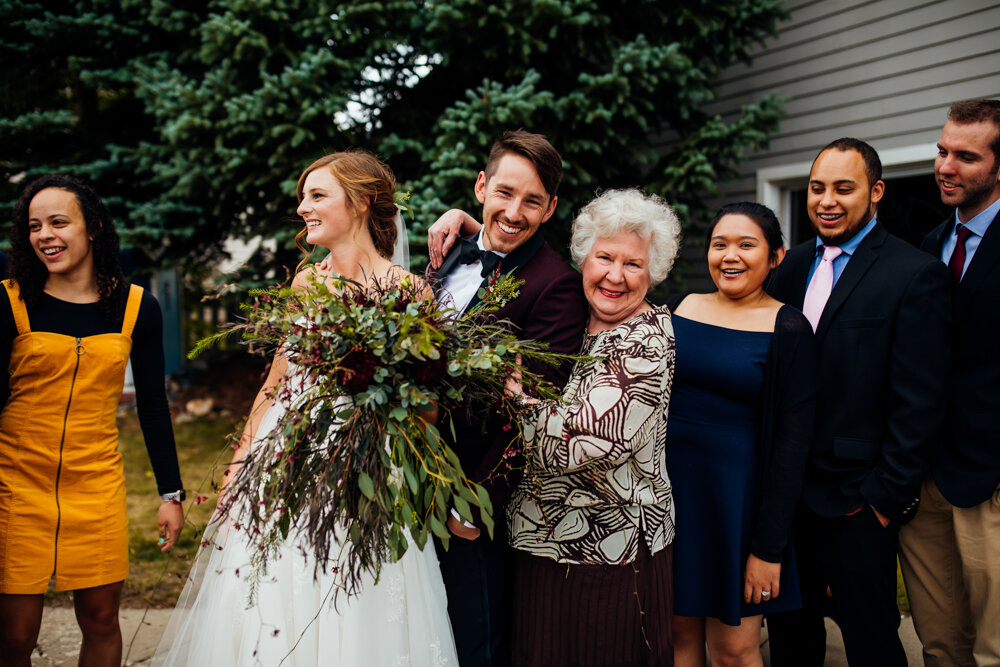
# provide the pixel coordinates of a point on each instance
(910, 208)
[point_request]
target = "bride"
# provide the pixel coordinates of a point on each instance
(226, 615)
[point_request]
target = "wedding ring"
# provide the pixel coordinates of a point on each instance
(765, 594)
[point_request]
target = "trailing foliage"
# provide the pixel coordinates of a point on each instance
(352, 469)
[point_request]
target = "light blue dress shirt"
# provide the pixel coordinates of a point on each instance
(848, 251)
(978, 226)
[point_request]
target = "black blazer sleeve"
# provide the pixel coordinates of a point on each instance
(919, 362)
(789, 405)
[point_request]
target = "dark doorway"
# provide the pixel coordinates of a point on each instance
(910, 208)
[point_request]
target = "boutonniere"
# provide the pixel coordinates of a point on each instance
(498, 292)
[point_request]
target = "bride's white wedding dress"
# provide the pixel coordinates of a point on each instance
(402, 621)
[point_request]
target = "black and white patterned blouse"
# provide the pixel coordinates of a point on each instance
(596, 480)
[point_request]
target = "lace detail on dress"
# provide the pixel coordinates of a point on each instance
(437, 655)
(397, 597)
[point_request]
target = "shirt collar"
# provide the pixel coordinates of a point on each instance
(479, 242)
(848, 247)
(980, 223)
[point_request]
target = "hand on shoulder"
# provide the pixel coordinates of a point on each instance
(446, 230)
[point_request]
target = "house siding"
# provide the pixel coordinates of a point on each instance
(883, 71)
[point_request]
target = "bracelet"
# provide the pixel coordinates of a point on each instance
(177, 496)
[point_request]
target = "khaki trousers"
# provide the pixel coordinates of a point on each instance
(950, 558)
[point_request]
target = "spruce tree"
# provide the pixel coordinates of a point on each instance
(194, 119)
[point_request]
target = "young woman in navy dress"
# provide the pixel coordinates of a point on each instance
(739, 426)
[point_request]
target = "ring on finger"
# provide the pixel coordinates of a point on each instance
(765, 594)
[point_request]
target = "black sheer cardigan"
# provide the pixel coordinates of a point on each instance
(788, 408)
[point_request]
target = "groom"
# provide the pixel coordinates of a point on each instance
(517, 189)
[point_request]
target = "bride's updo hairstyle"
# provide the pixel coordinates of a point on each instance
(366, 180)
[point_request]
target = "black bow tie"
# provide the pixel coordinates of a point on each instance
(470, 252)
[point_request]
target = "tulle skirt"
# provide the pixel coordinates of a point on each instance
(228, 614)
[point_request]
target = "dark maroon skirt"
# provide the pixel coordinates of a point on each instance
(594, 615)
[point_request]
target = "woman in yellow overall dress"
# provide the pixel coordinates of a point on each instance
(69, 322)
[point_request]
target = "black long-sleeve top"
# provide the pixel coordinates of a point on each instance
(84, 319)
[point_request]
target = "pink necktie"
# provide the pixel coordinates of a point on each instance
(820, 286)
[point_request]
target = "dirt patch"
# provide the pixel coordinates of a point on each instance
(230, 380)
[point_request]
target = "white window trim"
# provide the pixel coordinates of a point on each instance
(775, 184)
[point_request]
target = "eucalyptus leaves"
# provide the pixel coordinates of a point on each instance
(354, 462)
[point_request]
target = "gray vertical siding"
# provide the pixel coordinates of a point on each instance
(882, 71)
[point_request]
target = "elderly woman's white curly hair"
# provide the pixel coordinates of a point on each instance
(631, 210)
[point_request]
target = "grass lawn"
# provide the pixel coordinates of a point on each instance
(203, 451)
(902, 601)
(157, 578)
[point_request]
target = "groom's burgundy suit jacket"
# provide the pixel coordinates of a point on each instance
(550, 308)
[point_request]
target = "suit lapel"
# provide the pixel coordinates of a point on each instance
(449, 263)
(857, 266)
(983, 262)
(935, 240)
(447, 266)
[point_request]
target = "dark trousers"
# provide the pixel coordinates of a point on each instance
(594, 615)
(478, 576)
(856, 557)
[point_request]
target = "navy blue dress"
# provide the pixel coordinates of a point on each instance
(712, 457)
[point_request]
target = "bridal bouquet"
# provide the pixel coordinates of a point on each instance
(356, 460)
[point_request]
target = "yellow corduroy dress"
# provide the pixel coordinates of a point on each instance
(62, 482)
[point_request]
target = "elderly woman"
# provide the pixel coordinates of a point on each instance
(593, 519)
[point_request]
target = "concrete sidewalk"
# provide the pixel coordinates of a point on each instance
(59, 640)
(835, 644)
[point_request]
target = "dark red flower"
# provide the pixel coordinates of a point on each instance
(357, 369)
(428, 371)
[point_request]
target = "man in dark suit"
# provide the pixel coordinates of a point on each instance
(950, 553)
(517, 189)
(880, 309)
